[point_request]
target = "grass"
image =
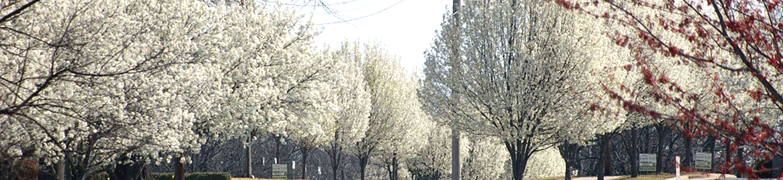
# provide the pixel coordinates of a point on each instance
(240, 178)
(640, 177)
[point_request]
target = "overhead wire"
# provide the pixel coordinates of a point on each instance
(362, 17)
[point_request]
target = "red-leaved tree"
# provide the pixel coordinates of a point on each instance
(713, 66)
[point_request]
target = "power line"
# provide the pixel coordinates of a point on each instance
(365, 16)
(357, 8)
(320, 3)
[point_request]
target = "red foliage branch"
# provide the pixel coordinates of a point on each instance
(724, 41)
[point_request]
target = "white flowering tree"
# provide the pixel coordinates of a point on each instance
(433, 161)
(352, 105)
(516, 68)
(86, 83)
(273, 81)
(486, 159)
(396, 122)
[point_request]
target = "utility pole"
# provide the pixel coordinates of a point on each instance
(455, 167)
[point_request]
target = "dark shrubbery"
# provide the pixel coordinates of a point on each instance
(169, 176)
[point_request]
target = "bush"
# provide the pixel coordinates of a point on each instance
(100, 176)
(208, 176)
(164, 176)
(194, 176)
(168, 176)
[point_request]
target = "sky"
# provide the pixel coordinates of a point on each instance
(405, 28)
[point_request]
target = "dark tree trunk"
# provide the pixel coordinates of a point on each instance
(634, 153)
(570, 153)
(712, 142)
(334, 155)
(363, 159)
(518, 165)
(277, 148)
(602, 160)
(739, 158)
(304, 161)
(61, 168)
(608, 156)
(568, 170)
(455, 167)
(728, 156)
(659, 155)
(688, 161)
(249, 152)
(520, 152)
(395, 168)
(179, 167)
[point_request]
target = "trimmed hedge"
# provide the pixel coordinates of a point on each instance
(168, 176)
(194, 176)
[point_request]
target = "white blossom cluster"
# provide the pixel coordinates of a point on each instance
(90, 82)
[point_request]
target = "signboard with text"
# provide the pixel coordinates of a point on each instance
(646, 162)
(703, 160)
(279, 171)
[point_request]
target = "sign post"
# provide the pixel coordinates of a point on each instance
(703, 160)
(279, 171)
(677, 169)
(646, 162)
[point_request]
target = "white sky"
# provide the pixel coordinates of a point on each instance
(406, 29)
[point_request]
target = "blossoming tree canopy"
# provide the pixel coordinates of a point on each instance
(86, 82)
(733, 45)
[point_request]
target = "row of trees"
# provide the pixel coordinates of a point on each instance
(536, 76)
(112, 86)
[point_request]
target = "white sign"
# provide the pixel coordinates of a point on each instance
(703, 160)
(279, 171)
(646, 162)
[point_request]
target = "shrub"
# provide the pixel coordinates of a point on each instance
(208, 176)
(169, 176)
(194, 176)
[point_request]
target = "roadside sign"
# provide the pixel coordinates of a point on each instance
(279, 171)
(646, 162)
(703, 160)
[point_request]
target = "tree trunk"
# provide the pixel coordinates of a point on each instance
(659, 155)
(608, 154)
(335, 155)
(518, 166)
(634, 156)
(520, 151)
(739, 158)
(363, 159)
(249, 151)
(395, 168)
(304, 162)
(568, 170)
(277, 148)
(455, 167)
(569, 153)
(712, 141)
(61, 168)
(728, 156)
(602, 159)
(179, 173)
(688, 161)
